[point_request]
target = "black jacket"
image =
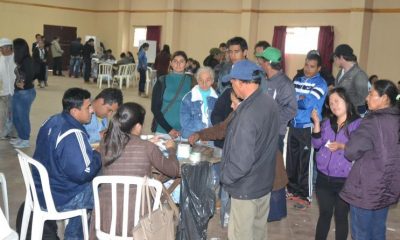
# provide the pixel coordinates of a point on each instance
(87, 51)
(251, 144)
(75, 49)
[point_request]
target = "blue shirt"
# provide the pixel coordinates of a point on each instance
(94, 128)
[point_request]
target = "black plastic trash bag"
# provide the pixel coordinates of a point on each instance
(197, 201)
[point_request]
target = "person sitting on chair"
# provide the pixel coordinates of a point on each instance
(62, 146)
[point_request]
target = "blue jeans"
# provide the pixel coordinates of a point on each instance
(74, 66)
(21, 107)
(82, 200)
(142, 79)
(368, 224)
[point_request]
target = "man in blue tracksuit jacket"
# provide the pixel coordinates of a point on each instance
(62, 146)
(311, 90)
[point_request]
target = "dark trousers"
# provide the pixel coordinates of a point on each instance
(142, 81)
(88, 69)
(57, 66)
(298, 161)
(41, 75)
(329, 202)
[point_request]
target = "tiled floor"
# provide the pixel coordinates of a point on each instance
(298, 225)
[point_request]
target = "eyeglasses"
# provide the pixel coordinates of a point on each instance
(178, 62)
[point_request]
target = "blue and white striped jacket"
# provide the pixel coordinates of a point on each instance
(62, 146)
(314, 91)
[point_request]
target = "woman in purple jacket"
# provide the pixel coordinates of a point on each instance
(329, 138)
(374, 180)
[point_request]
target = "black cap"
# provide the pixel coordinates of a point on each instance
(343, 50)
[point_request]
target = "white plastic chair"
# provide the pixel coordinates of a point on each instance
(5, 196)
(151, 77)
(32, 203)
(125, 181)
(129, 75)
(6, 232)
(105, 73)
(120, 75)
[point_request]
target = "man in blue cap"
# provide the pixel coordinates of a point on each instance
(251, 143)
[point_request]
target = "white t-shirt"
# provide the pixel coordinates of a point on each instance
(7, 75)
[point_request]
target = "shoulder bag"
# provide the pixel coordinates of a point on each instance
(154, 122)
(154, 225)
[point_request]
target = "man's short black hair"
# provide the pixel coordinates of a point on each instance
(238, 41)
(315, 57)
(263, 44)
(111, 96)
(74, 98)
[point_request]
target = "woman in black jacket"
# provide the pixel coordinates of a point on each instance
(24, 93)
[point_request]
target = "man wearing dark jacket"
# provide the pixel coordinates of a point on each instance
(75, 50)
(251, 143)
(351, 77)
(88, 50)
(62, 146)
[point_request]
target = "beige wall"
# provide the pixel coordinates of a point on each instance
(25, 21)
(196, 26)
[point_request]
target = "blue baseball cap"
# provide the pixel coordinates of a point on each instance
(243, 70)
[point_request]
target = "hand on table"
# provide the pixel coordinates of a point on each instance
(193, 138)
(174, 133)
(170, 144)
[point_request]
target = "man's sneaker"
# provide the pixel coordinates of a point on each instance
(22, 144)
(14, 141)
(302, 204)
(6, 137)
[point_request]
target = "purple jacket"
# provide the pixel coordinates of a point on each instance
(333, 164)
(374, 180)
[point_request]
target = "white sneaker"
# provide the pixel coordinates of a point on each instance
(22, 144)
(15, 141)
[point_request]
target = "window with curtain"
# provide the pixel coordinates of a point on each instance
(300, 40)
(139, 34)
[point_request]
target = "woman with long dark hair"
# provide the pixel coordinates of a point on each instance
(374, 148)
(329, 138)
(125, 153)
(142, 67)
(24, 93)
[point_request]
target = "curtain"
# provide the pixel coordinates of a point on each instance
(325, 47)
(154, 34)
(278, 41)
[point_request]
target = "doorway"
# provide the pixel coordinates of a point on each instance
(67, 35)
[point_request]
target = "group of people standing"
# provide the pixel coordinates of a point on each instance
(344, 156)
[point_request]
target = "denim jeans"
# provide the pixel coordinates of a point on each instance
(87, 67)
(368, 224)
(21, 107)
(142, 79)
(74, 66)
(82, 200)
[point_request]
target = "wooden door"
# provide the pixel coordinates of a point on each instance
(66, 34)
